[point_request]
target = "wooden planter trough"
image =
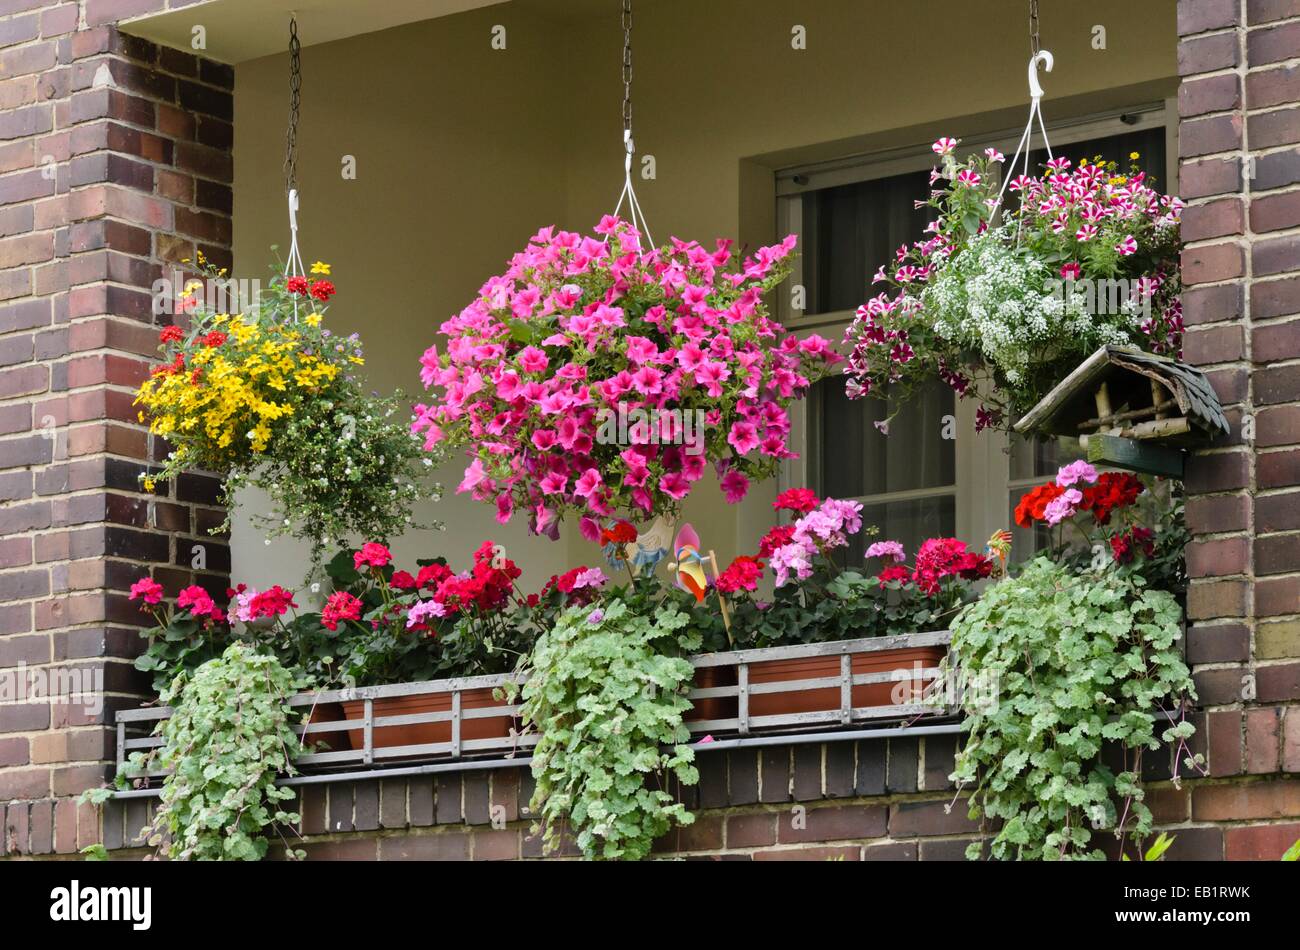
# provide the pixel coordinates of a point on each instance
(777, 689)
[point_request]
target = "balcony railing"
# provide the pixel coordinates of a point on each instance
(733, 672)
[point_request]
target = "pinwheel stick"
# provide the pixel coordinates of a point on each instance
(722, 601)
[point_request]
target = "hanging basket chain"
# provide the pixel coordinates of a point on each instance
(293, 265)
(635, 215)
(627, 65)
(1035, 45)
(295, 101)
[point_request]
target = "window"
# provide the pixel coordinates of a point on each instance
(931, 474)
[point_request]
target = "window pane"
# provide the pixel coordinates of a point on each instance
(909, 522)
(1040, 458)
(856, 459)
(850, 230)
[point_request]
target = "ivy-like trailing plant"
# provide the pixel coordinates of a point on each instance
(230, 736)
(1068, 663)
(607, 691)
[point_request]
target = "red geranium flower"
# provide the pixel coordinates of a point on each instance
(148, 589)
(402, 580)
(341, 606)
(778, 537)
(215, 338)
(743, 573)
(621, 533)
(296, 285)
(798, 500)
(372, 554)
(172, 334)
(1033, 503)
(322, 290)
(1112, 490)
(895, 572)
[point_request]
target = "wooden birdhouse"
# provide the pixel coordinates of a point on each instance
(1131, 410)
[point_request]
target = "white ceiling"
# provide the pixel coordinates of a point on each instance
(238, 30)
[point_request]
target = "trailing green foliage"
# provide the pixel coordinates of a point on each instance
(1067, 662)
(228, 739)
(607, 692)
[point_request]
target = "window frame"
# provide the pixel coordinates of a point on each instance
(983, 464)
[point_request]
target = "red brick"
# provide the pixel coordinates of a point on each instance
(1273, 44)
(1214, 558)
(1276, 170)
(1291, 742)
(944, 817)
(1279, 512)
(1212, 263)
(1270, 129)
(494, 845)
(1220, 471)
(1211, 599)
(1212, 304)
(1259, 842)
(1266, 11)
(1263, 740)
(1275, 212)
(1212, 94)
(1280, 469)
(1277, 798)
(452, 846)
(1207, 54)
(1277, 554)
(1276, 384)
(1279, 682)
(1275, 256)
(1208, 345)
(1200, 16)
(753, 830)
(1272, 87)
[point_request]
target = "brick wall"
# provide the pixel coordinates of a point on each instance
(114, 164)
(1239, 144)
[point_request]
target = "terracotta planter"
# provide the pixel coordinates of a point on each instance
(817, 667)
(425, 733)
(333, 741)
(717, 707)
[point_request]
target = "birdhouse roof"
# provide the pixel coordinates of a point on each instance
(1127, 371)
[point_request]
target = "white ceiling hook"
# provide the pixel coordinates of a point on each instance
(1043, 56)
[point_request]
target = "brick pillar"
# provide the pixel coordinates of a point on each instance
(1240, 172)
(114, 165)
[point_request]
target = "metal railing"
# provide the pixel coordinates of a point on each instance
(356, 727)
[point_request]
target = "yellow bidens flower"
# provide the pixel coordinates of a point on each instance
(313, 320)
(320, 267)
(1134, 155)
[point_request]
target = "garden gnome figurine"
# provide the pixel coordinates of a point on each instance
(651, 545)
(690, 563)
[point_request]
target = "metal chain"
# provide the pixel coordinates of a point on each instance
(627, 64)
(295, 100)
(1034, 45)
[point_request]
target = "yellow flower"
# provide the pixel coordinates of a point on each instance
(313, 320)
(1134, 155)
(148, 484)
(320, 267)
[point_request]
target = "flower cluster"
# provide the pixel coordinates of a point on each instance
(582, 334)
(1087, 256)
(818, 532)
(1078, 488)
(270, 398)
(937, 559)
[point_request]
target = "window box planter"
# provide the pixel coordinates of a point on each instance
(775, 689)
(406, 720)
